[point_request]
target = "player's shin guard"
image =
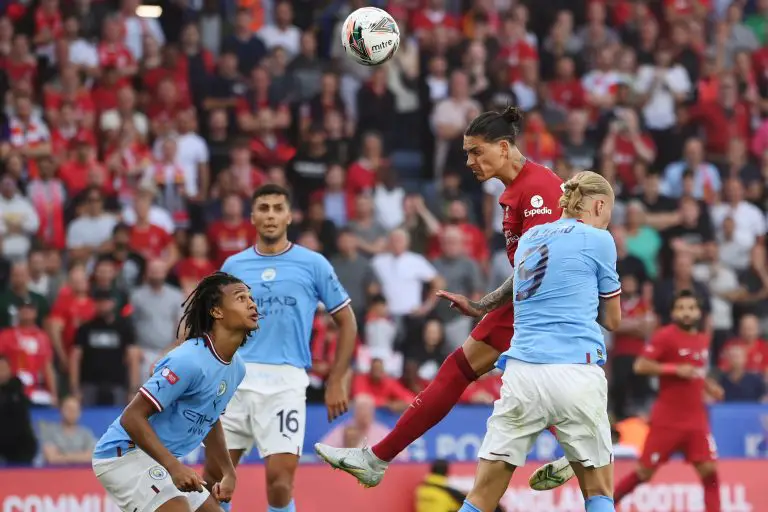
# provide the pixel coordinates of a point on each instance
(431, 406)
(468, 507)
(291, 507)
(711, 492)
(626, 486)
(599, 504)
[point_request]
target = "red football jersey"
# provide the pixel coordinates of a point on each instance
(72, 312)
(189, 268)
(28, 350)
(531, 199)
(757, 355)
(228, 240)
(150, 241)
(680, 403)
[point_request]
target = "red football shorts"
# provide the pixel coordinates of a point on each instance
(697, 445)
(497, 327)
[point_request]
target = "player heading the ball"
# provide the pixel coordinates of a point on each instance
(136, 460)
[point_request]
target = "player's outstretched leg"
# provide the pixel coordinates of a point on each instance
(628, 484)
(427, 409)
(708, 473)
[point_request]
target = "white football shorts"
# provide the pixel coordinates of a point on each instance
(573, 398)
(269, 409)
(137, 483)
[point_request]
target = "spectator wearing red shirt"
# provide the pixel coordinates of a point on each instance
(172, 69)
(629, 389)
(30, 354)
(192, 269)
(749, 339)
(565, 92)
(49, 26)
(686, 9)
(68, 88)
(72, 308)
(48, 197)
(167, 102)
(268, 146)
(361, 174)
(75, 173)
(148, 240)
(624, 144)
(247, 177)
(725, 119)
(20, 64)
(105, 91)
(66, 130)
(424, 21)
(474, 239)
(233, 233)
(26, 133)
(114, 53)
(515, 47)
(385, 390)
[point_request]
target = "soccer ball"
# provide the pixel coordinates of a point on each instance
(370, 36)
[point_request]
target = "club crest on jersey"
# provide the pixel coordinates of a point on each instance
(222, 388)
(269, 274)
(168, 375)
(537, 201)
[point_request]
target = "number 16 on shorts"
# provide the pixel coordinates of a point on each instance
(275, 423)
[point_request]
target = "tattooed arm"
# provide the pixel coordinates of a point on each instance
(493, 300)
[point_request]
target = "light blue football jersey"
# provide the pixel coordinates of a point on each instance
(287, 288)
(561, 269)
(190, 389)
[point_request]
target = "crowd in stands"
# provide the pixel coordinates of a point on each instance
(130, 147)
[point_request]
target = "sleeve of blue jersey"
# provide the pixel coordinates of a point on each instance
(604, 248)
(174, 375)
(329, 288)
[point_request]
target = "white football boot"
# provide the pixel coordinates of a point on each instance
(551, 475)
(361, 463)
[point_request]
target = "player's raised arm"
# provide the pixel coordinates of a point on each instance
(478, 308)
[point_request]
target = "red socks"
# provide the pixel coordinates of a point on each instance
(711, 492)
(626, 486)
(429, 407)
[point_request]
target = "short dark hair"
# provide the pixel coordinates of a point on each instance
(495, 126)
(270, 189)
(685, 294)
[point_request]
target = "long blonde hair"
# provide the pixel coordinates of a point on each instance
(576, 189)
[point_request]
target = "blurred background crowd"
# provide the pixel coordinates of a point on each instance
(130, 146)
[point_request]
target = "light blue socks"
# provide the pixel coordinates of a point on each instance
(468, 507)
(600, 504)
(291, 507)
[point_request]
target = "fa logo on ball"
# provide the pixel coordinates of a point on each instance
(537, 201)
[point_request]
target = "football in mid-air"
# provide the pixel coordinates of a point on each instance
(370, 36)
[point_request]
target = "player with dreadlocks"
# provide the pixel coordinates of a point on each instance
(136, 460)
